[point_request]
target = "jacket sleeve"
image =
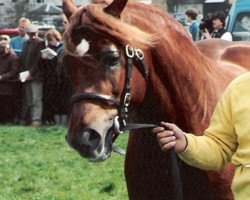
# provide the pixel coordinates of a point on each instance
(13, 68)
(214, 149)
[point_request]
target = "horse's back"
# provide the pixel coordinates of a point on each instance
(226, 53)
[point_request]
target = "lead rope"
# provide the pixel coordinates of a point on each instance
(122, 125)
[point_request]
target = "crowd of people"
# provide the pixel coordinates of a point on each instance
(212, 26)
(32, 92)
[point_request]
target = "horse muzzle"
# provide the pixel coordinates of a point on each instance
(92, 145)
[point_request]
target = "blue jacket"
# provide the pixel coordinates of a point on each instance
(194, 30)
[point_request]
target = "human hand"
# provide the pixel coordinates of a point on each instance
(44, 56)
(29, 78)
(170, 136)
(207, 34)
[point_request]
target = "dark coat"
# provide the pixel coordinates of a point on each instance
(218, 33)
(57, 87)
(8, 72)
(31, 58)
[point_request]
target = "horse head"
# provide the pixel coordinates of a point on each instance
(97, 64)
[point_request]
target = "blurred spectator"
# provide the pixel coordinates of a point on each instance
(56, 88)
(242, 23)
(31, 64)
(64, 21)
(193, 24)
(16, 43)
(206, 25)
(8, 72)
(219, 30)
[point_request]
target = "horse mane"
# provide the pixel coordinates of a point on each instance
(92, 15)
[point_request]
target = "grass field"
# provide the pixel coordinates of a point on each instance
(38, 164)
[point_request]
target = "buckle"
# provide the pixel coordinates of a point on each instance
(139, 54)
(130, 51)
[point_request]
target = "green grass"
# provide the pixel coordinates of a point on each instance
(39, 164)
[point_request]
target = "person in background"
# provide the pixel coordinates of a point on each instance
(31, 62)
(16, 43)
(218, 22)
(56, 88)
(226, 139)
(193, 23)
(65, 21)
(8, 73)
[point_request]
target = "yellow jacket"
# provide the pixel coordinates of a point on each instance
(227, 138)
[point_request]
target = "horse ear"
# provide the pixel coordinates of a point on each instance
(115, 8)
(69, 8)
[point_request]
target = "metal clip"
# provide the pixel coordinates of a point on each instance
(130, 51)
(117, 125)
(139, 54)
(126, 99)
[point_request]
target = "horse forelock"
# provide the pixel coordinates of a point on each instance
(93, 16)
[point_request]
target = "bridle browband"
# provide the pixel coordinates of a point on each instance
(120, 122)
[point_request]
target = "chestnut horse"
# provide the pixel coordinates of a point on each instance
(181, 85)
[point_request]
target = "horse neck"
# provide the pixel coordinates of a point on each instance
(185, 84)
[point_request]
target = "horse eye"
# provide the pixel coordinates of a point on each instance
(111, 61)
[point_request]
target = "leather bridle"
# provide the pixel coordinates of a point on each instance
(120, 122)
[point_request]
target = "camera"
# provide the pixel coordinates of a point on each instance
(207, 23)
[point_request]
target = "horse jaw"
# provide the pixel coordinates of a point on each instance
(69, 8)
(115, 8)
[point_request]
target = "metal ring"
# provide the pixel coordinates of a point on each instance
(130, 51)
(139, 54)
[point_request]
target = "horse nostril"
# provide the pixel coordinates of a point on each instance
(90, 138)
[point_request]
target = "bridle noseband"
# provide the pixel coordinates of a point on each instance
(120, 122)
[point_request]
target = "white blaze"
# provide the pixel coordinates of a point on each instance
(82, 48)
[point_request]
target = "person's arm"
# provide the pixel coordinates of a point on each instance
(12, 43)
(211, 151)
(196, 33)
(13, 69)
(207, 34)
(227, 36)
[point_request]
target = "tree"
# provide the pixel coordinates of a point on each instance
(18, 10)
(173, 5)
